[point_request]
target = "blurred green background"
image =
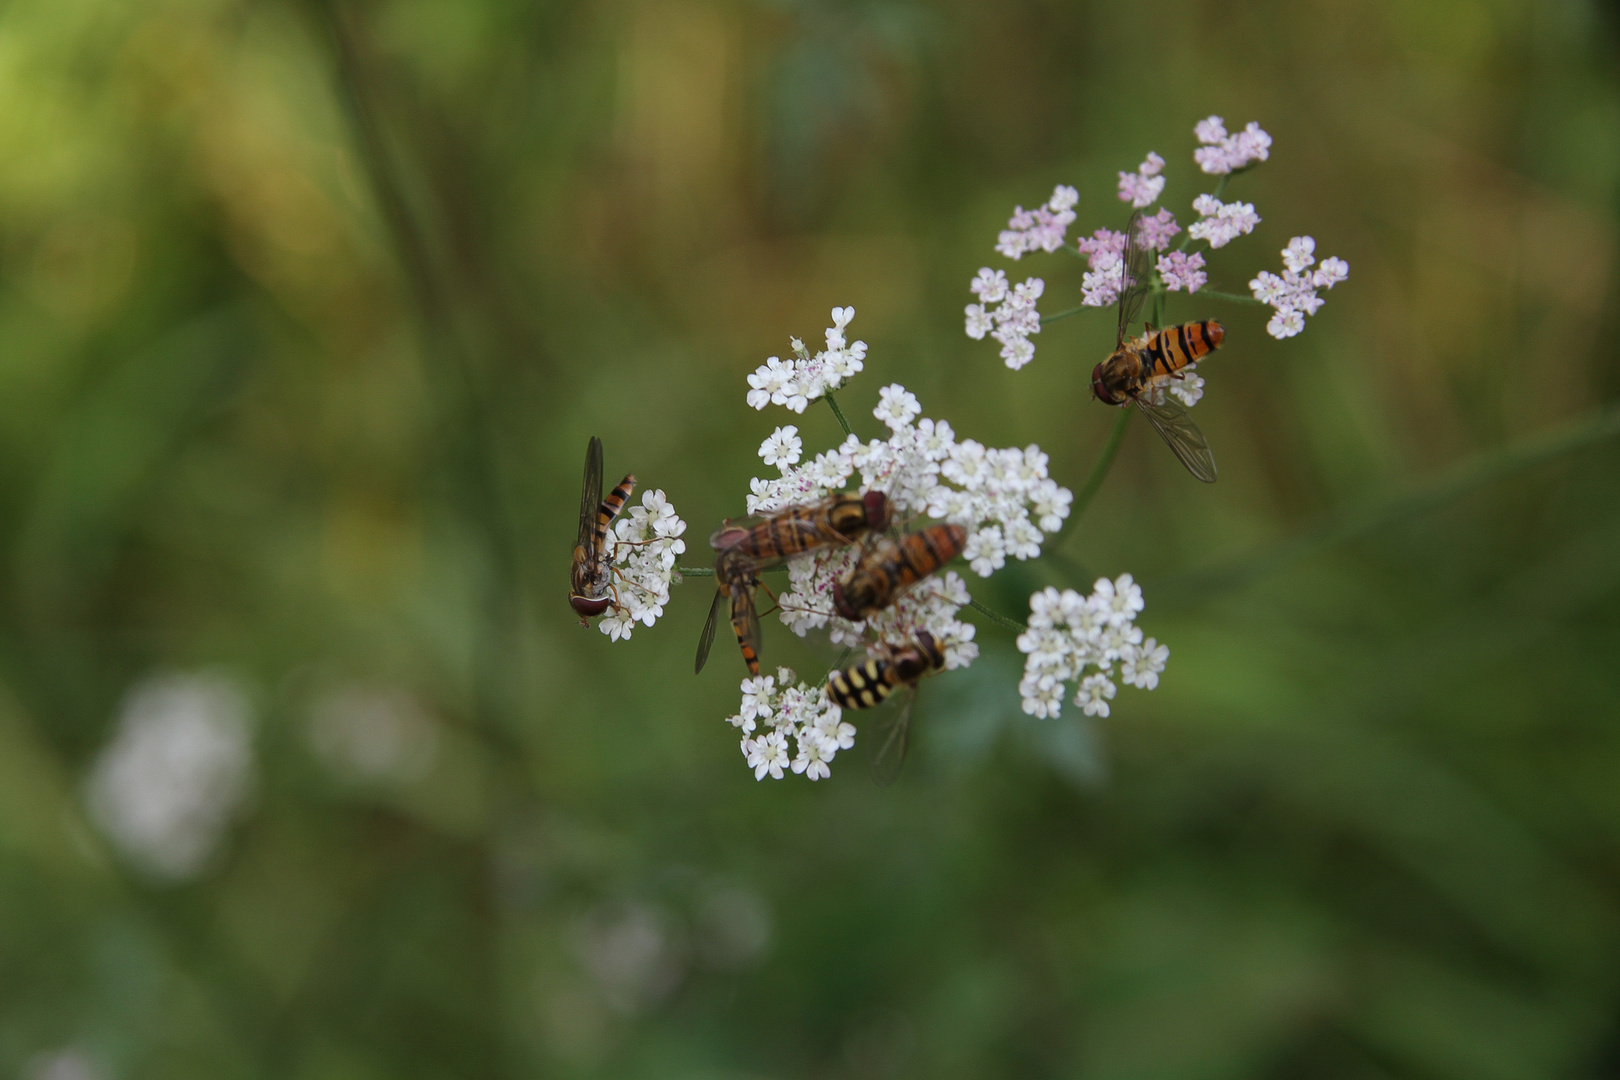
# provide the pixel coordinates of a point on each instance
(308, 309)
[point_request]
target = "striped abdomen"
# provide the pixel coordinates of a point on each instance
(861, 686)
(1169, 350)
(890, 567)
(735, 574)
(611, 505)
(868, 684)
(801, 528)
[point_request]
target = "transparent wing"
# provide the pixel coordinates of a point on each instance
(1134, 275)
(706, 639)
(1177, 429)
(894, 735)
(590, 496)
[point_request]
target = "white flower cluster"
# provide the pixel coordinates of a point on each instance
(796, 382)
(1012, 321)
(1069, 633)
(1143, 187)
(643, 546)
(1040, 229)
(1220, 223)
(780, 708)
(1223, 153)
(1293, 295)
(177, 769)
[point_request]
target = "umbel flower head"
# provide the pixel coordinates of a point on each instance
(643, 545)
(1069, 633)
(1007, 313)
(1004, 499)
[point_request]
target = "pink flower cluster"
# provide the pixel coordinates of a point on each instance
(1105, 252)
(1223, 153)
(1293, 295)
(1143, 187)
(1156, 232)
(1041, 229)
(1182, 271)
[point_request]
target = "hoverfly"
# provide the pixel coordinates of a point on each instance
(743, 550)
(591, 576)
(890, 566)
(866, 685)
(1129, 373)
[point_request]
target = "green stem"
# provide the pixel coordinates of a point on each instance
(1063, 314)
(708, 571)
(1236, 298)
(838, 413)
(997, 617)
(1099, 472)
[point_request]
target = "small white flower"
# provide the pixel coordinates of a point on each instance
(986, 552)
(767, 755)
(1330, 273)
(782, 448)
(896, 406)
(1095, 692)
(1042, 695)
(1285, 324)
(1142, 665)
(1300, 253)
(1211, 130)
(990, 286)
(979, 322)
(813, 756)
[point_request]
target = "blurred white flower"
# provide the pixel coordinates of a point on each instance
(373, 733)
(644, 544)
(176, 770)
(632, 954)
(733, 927)
(71, 1063)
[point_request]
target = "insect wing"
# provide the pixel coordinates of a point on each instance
(1175, 426)
(1133, 277)
(590, 496)
(894, 736)
(706, 639)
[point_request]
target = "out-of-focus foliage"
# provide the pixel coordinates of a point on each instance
(307, 312)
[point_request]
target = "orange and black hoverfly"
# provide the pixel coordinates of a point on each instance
(1137, 369)
(591, 576)
(868, 684)
(742, 550)
(890, 566)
